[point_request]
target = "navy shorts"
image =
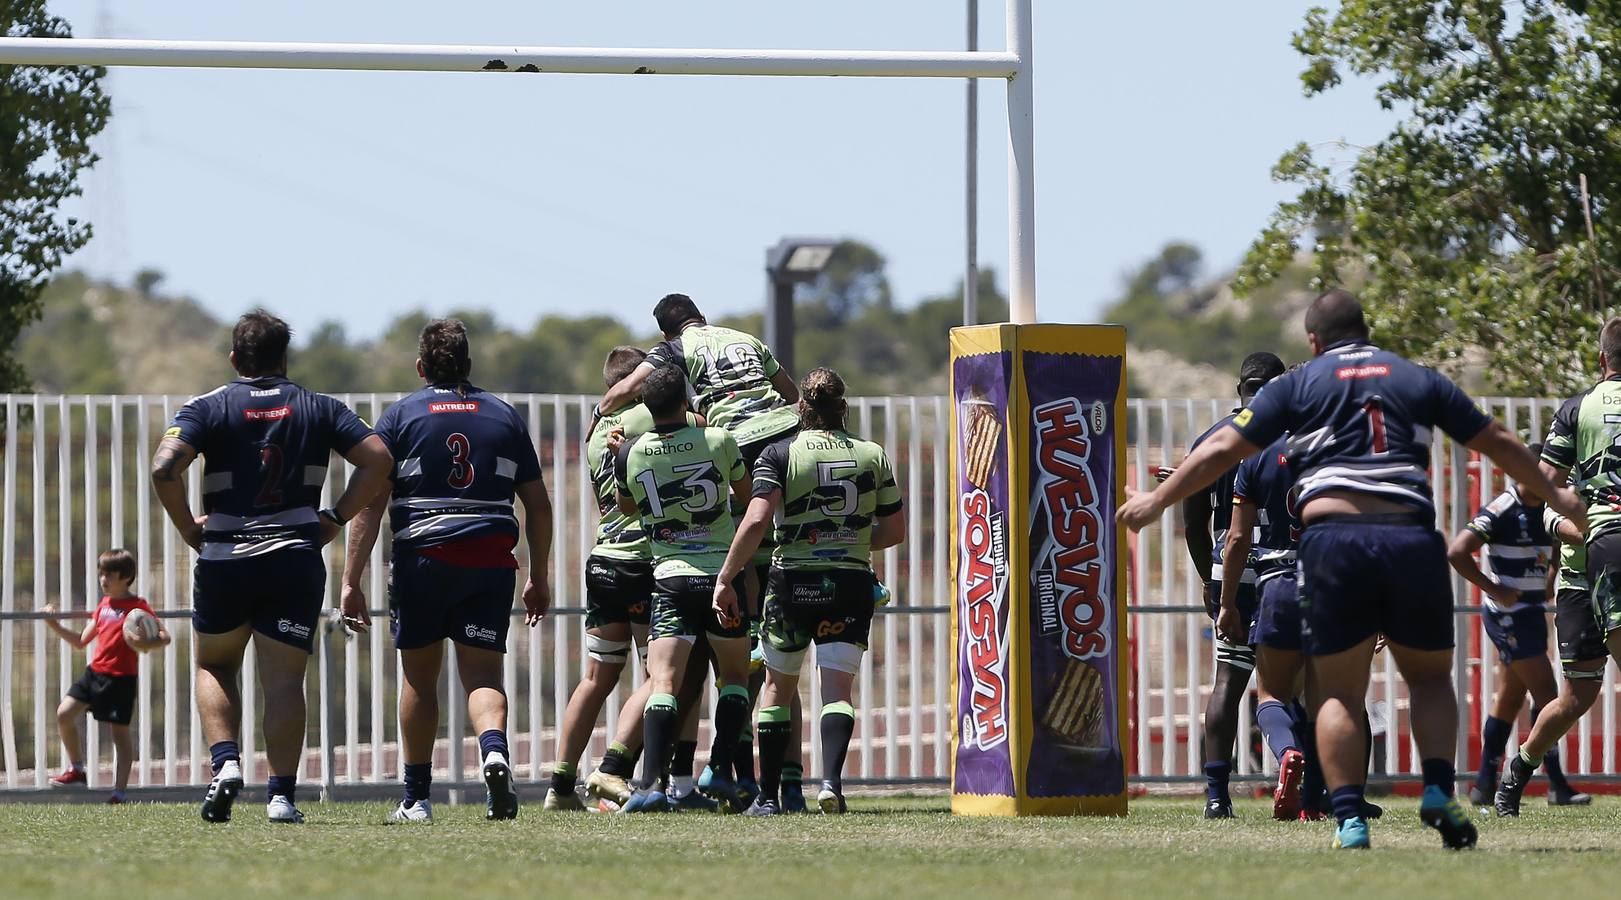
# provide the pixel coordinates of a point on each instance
(1248, 601)
(281, 593)
(1368, 575)
(430, 600)
(1277, 624)
(1521, 634)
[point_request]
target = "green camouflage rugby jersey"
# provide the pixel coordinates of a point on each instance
(1586, 439)
(833, 487)
(681, 479)
(729, 381)
(618, 536)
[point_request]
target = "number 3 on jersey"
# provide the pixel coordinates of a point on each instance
(694, 472)
(461, 468)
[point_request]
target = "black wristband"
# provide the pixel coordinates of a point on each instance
(331, 515)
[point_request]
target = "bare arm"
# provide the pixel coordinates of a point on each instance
(784, 383)
(889, 530)
(168, 468)
(1196, 532)
(537, 531)
(1461, 554)
(750, 532)
(363, 532)
(1235, 556)
(373, 464)
(1219, 452)
(1516, 461)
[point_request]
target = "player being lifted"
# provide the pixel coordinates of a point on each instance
(678, 480)
(1208, 514)
(462, 454)
(266, 444)
(1370, 559)
(735, 383)
(1519, 551)
(834, 499)
(1582, 446)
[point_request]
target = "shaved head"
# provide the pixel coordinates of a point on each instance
(1336, 316)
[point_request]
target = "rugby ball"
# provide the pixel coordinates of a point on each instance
(140, 629)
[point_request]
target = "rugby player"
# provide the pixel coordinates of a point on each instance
(618, 604)
(462, 454)
(266, 444)
(835, 501)
(1519, 550)
(1266, 531)
(677, 479)
(1208, 516)
(1370, 560)
(735, 383)
(1581, 446)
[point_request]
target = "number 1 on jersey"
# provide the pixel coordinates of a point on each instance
(1376, 424)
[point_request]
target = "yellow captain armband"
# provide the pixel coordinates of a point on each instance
(1243, 418)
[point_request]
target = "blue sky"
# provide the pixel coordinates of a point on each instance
(358, 196)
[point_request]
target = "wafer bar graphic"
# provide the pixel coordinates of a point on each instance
(1075, 712)
(983, 431)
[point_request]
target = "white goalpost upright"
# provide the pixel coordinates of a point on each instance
(1013, 65)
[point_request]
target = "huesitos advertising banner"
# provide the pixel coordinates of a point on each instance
(1075, 635)
(1038, 609)
(982, 624)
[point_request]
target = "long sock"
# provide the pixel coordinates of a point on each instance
(418, 781)
(1439, 773)
(838, 724)
(282, 786)
(731, 714)
(1278, 725)
(1313, 786)
(792, 774)
(774, 725)
(659, 724)
(493, 741)
(618, 760)
(1550, 762)
(743, 761)
(1216, 774)
(681, 762)
(563, 777)
(1367, 746)
(1493, 744)
(224, 752)
(1347, 802)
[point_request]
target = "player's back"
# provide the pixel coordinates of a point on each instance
(618, 536)
(459, 455)
(1518, 548)
(1266, 482)
(1362, 420)
(266, 444)
(680, 478)
(834, 486)
(1585, 438)
(729, 376)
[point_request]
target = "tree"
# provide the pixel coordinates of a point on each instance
(47, 118)
(1467, 220)
(853, 280)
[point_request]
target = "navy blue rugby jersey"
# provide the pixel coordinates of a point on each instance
(265, 444)
(1219, 497)
(1360, 420)
(1518, 548)
(1265, 482)
(457, 461)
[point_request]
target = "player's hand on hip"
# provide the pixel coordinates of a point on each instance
(725, 603)
(1140, 509)
(1230, 626)
(330, 531)
(1503, 594)
(193, 536)
(537, 599)
(352, 602)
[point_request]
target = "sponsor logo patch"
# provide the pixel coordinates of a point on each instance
(1373, 370)
(454, 406)
(267, 415)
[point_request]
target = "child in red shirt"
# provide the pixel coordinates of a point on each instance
(107, 687)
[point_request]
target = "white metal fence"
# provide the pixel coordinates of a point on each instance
(75, 483)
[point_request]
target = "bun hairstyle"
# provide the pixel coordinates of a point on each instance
(444, 354)
(821, 400)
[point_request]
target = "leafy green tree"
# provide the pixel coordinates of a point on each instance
(1467, 220)
(47, 118)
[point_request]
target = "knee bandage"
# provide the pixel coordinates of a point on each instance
(784, 661)
(844, 658)
(1239, 656)
(1574, 674)
(612, 652)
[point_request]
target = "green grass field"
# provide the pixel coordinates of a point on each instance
(891, 848)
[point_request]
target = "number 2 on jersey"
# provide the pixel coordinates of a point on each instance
(461, 469)
(270, 463)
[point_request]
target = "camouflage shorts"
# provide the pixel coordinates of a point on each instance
(682, 608)
(824, 606)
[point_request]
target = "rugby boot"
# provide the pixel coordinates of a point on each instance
(692, 801)
(1352, 835)
(724, 791)
(222, 792)
(501, 801)
(829, 801)
(1215, 808)
(651, 800)
(1446, 815)
(419, 812)
(1286, 796)
(604, 786)
(762, 806)
(1512, 787)
(1568, 798)
(562, 801)
(793, 796)
(281, 811)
